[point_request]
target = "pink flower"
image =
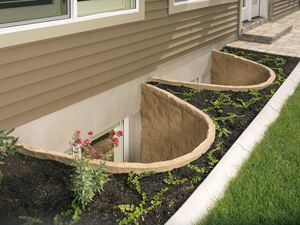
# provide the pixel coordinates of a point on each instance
(90, 133)
(87, 141)
(78, 141)
(112, 132)
(87, 153)
(100, 154)
(120, 133)
(115, 140)
(78, 131)
(111, 144)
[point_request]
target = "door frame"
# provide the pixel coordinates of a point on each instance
(263, 11)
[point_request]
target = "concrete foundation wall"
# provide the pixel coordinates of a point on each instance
(102, 111)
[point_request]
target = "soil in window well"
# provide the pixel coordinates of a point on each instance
(41, 188)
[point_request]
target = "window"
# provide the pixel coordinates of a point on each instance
(177, 6)
(23, 21)
(91, 7)
(101, 142)
(32, 11)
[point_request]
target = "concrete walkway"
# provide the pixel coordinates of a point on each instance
(288, 45)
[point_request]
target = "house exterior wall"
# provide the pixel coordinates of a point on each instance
(282, 8)
(62, 77)
(99, 112)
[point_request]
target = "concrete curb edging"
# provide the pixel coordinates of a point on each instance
(213, 187)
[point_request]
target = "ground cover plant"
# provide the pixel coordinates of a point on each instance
(266, 188)
(40, 189)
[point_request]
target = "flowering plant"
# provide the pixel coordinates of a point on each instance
(83, 147)
(114, 140)
(78, 146)
(87, 179)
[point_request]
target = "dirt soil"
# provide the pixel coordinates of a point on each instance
(40, 188)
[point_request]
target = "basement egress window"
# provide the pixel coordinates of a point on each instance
(101, 142)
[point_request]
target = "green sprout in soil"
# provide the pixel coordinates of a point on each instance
(30, 220)
(256, 97)
(272, 92)
(204, 169)
(170, 180)
(132, 212)
(189, 94)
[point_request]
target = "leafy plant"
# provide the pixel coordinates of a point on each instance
(134, 179)
(189, 94)
(135, 212)
(30, 220)
(223, 99)
(205, 169)
(195, 180)
(75, 211)
(87, 180)
(131, 212)
(7, 144)
(212, 160)
(170, 180)
(252, 100)
(272, 92)
(223, 120)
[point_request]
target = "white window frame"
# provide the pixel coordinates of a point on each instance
(193, 4)
(23, 34)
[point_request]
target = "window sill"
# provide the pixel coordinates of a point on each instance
(193, 4)
(18, 35)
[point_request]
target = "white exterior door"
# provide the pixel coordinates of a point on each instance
(250, 9)
(255, 8)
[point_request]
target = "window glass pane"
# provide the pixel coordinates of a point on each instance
(22, 10)
(254, 2)
(101, 144)
(244, 3)
(90, 7)
(180, 1)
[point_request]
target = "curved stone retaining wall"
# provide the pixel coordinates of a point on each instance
(175, 133)
(171, 127)
(228, 69)
(230, 73)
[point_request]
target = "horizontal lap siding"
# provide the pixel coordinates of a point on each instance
(41, 78)
(283, 8)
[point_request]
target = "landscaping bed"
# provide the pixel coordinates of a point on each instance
(41, 188)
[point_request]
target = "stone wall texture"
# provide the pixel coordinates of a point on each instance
(228, 69)
(170, 127)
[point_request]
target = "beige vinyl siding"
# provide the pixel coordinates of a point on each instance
(283, 8)
(40, 78)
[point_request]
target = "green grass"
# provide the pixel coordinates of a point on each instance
(267, 188)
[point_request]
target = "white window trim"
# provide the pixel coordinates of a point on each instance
(23, 34)
(193, 4)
